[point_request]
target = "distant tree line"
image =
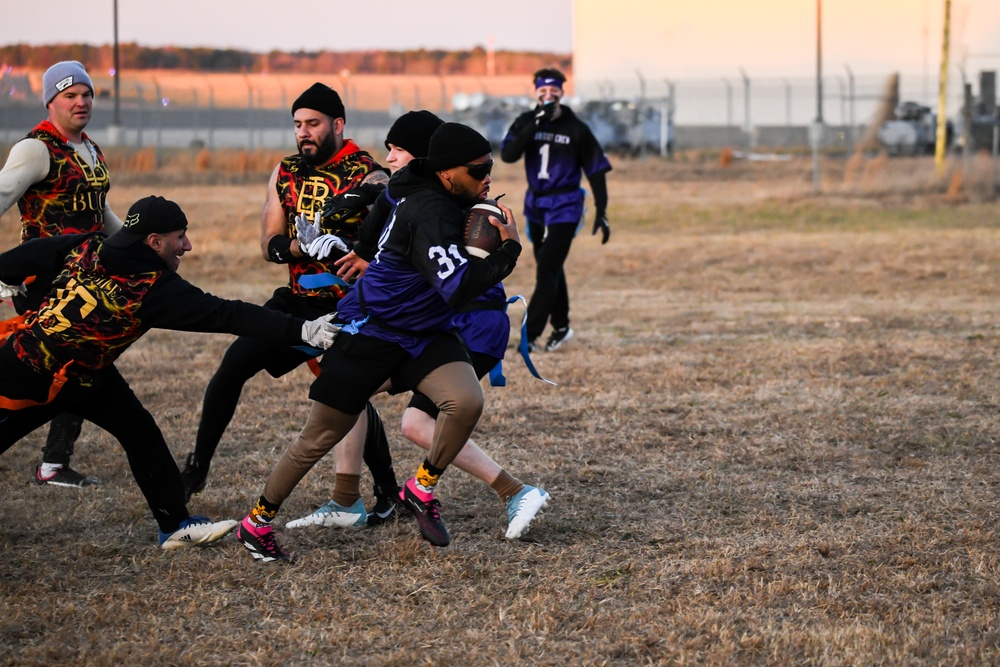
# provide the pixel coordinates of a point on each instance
(428, 62)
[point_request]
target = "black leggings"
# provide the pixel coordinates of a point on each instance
(550, 301)
(113, 406)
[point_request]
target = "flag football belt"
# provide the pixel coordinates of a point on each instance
(497, 378)
(59, 379)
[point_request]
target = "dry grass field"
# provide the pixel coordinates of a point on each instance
(774, 441)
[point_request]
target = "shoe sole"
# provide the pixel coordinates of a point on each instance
(528, 512)
(377, 518)
(331, 520)
(68, 485)
(555, 346)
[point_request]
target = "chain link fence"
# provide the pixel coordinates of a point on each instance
(226, 111)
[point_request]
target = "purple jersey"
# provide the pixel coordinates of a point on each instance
(557, 153)
(486, 330)
(421, 273)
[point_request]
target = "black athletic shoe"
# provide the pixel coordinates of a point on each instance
(193, 476)
(388, 507)
(64, 476)
(428, 517)
(558, 338)
(385, 510)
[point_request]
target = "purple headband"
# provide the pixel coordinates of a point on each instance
(548, 81)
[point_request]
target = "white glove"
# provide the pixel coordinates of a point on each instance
(324, 245)
(8, 291)
(306, 231)
(320, 333)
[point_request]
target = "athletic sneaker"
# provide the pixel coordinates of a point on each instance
(261, 542)
(428, 517)
(532, 347)
(558, 338)
(193, 476)
(522, 509)
(332, 514)
(64, 476)
(196, 531)
(386, 507)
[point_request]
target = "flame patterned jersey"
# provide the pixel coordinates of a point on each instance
(303, 189)
(71, 199)
(89, 316)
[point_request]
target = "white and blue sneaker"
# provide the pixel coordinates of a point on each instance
(332, 514)
(522, 509)
(196, 531)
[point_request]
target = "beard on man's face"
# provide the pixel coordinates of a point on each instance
(320, 154)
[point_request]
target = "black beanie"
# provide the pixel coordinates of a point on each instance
(412, 132)
(322, 98)
(454, 144)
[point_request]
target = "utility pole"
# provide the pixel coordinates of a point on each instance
(747, 126)
(816, 131)
(850, 107)
(115, 131)
(942, 120)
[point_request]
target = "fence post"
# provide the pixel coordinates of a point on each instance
(747, 125)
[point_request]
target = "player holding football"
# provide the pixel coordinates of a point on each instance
(556, 146)
(397, 323)
(483, 325)
(326, 164)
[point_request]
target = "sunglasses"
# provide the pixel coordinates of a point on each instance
(479, 171)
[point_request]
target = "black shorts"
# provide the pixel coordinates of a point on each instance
(277, 359)
(356, 366)
(483, 363)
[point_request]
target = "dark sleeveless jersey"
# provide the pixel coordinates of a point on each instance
(89, 315)
(303, 189)
(72, 197)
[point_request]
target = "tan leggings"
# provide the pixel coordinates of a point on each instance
(454, 388)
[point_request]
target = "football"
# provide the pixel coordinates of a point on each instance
(482, 238)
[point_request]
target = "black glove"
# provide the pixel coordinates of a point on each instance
(350, 203)
(544, 112)
(601, 223)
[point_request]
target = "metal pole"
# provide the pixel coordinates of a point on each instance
(196, 120)
(249, 114)
(788, 103)
(850, 102)
(942, 120)
(211, 118)
(819, 61)
(638, 119)
(729, 103)
(138, 116)
(747, 127)
(996, 151)
(118, 117)
(816, 131)
(159, 123)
